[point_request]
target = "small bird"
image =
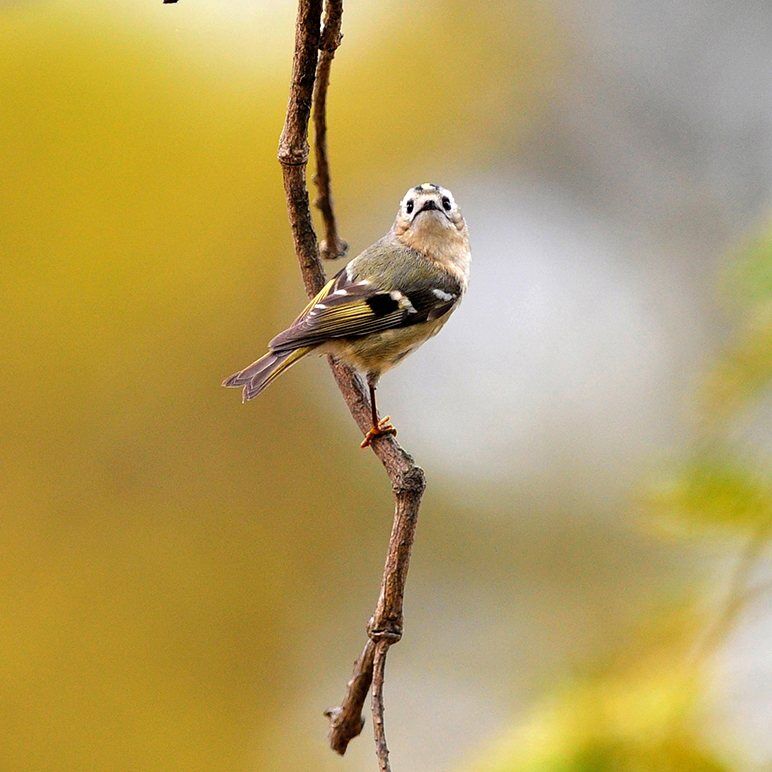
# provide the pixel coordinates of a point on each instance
(384, 304)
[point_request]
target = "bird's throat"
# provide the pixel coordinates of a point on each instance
(443, 244)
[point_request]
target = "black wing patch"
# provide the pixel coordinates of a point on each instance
(382, 303)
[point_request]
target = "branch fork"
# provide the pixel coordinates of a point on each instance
(314, 52)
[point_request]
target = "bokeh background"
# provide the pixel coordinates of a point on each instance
(186, 581)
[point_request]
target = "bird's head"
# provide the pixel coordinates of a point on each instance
(429, 219)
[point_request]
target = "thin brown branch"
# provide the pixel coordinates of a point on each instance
(379, 665)
(332, 245)
(293, 144)
(407, 479)
(346, 721)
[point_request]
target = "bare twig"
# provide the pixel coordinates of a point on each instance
(379, 664)
(331, 246)
(293, 144)
(407, 479)
(346, 720)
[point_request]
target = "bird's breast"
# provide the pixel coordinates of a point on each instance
(378, 352)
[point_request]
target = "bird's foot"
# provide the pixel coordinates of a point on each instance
(384, 427)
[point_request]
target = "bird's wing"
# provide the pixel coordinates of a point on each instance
(351, 306)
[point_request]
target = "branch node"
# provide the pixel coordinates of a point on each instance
(411, 482)
(392, 635)
(331, 37)
(291, 155)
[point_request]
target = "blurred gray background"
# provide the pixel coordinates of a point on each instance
(190, 579)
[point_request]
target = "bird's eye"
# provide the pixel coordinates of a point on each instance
(446, 203)
(409, 206)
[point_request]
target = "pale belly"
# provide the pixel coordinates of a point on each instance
(380, 351)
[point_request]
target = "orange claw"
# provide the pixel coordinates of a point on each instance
(383, 428)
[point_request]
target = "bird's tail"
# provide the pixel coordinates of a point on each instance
(261, 374)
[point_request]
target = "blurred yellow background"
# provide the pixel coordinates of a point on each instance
(186, 580)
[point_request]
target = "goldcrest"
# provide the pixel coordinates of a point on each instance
(384, 304)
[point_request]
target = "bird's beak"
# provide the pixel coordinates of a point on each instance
(430, 206)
